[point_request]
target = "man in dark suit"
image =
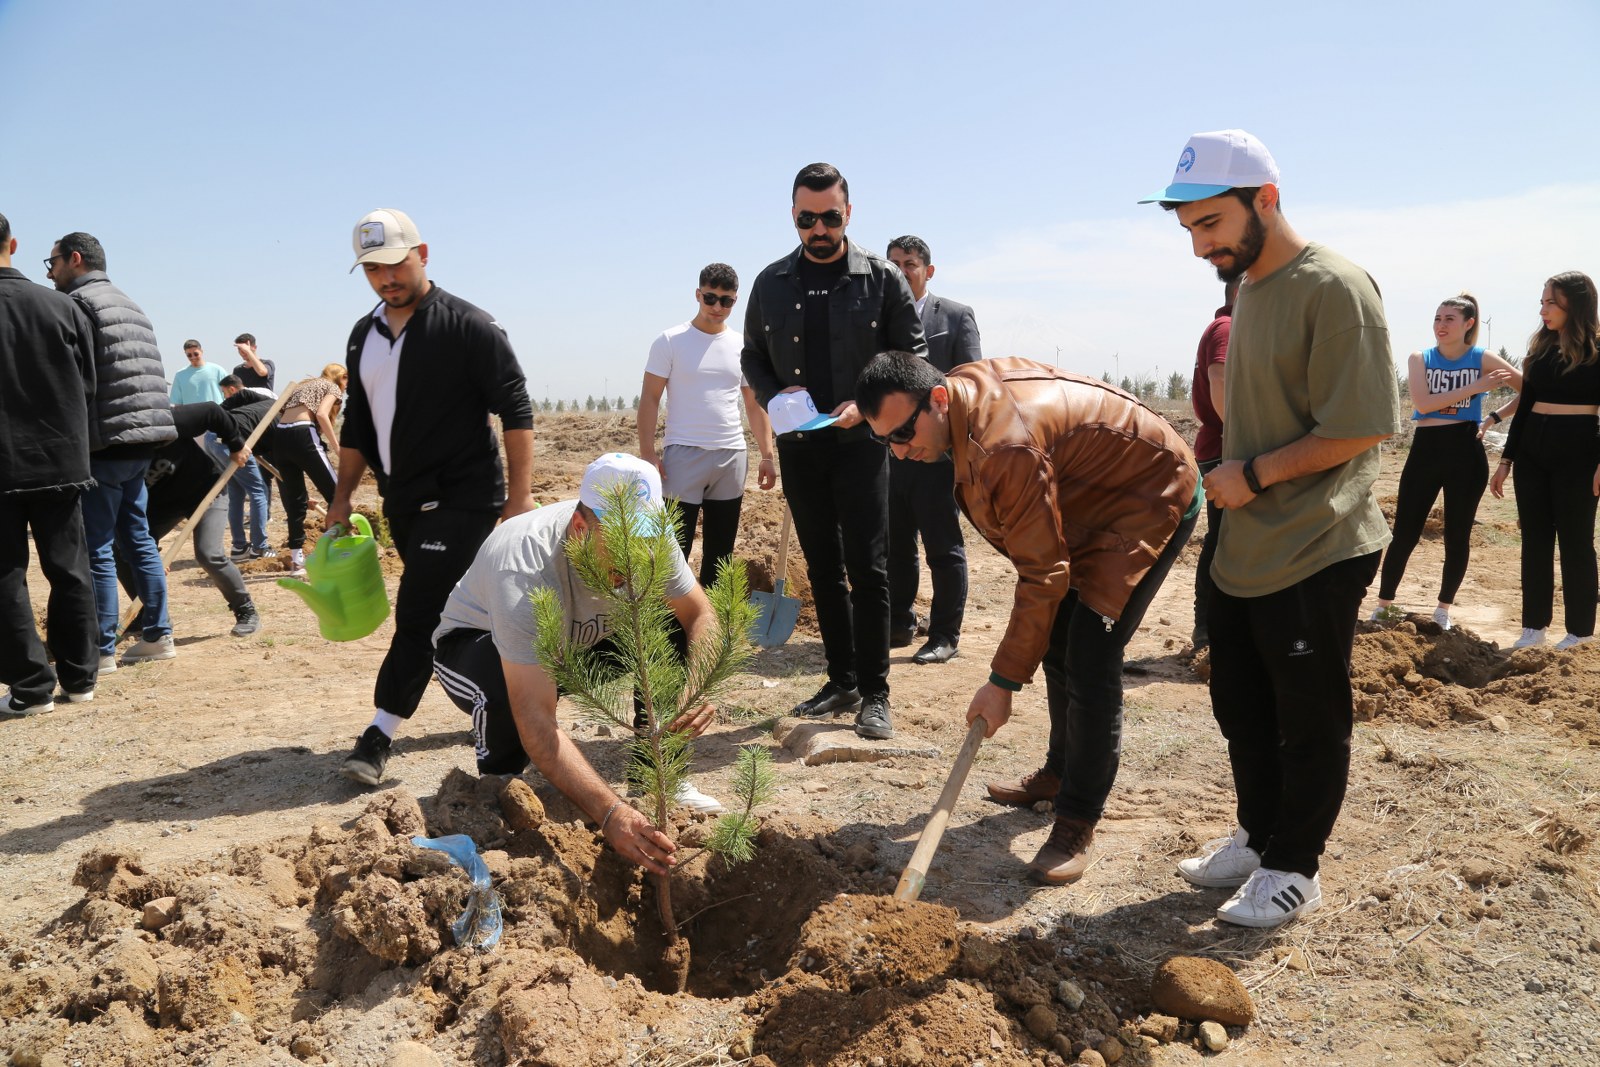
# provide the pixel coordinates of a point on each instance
(920, 494)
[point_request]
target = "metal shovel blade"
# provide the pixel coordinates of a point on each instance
(777, 617)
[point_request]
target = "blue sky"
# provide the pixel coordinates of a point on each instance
(573, 166)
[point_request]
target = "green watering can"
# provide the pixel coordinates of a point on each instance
(345, 583)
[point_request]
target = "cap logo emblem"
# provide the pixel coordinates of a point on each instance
(372, 235)
(1186, 161)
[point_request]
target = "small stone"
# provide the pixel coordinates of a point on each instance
(1296, 960)
(978, 955)
(1062, 1045)
(1541, 894)
(1213, 1036)
(1044, 807)
(1161, 1027)
(1041, 1022)
(412, 1054)
(1070, 994)
(1533, 985)
(1111, 1049)
(1478, 872)
(159, 913)
(1498, 724)
(524, 811)
(1090, 1058)
(304, 1047)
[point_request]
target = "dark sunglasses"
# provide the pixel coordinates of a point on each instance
(902, 434)
(712, 300)
(833, 218)
(50, 263)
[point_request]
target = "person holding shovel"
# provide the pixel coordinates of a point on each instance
(1091, 496)
(485, 656)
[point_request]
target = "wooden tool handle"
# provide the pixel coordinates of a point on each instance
(783, 548)
(916, 872)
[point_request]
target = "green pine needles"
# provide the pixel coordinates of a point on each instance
(627, 567)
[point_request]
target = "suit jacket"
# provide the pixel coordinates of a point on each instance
(951, 333)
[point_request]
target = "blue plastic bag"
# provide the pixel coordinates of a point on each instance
(479, 925)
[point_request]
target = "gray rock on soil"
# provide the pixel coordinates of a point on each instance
(835, 741)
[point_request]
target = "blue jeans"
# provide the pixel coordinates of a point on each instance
(114, 510)
(248, 482)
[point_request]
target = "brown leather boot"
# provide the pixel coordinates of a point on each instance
(1042, 784)
(1065, 856)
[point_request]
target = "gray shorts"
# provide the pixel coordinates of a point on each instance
(695, 475)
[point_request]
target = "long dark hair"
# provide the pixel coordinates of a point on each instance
(1467, 304)
(1576, 343)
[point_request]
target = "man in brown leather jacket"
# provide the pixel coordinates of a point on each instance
(1091, 496)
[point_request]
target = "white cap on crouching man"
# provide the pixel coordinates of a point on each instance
(615, 468)
(792, 412)
(384, 236)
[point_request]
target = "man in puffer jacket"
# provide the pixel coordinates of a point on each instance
(131, 418)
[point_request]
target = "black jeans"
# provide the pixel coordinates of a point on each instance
(1448, 459)
(922, 501)
(839, 495)
(209, 552)
(297, 448)
(436, 547)
(721, 530)
(1203, 585)
(73, 629)
(1554, 481)
(1280, 692)
(1083, 686)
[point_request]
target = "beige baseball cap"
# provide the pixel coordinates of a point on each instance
(384, 236)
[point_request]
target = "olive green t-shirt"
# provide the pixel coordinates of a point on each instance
(1308, 353)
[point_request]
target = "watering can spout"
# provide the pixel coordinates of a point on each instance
(325, 606)
(345, 589)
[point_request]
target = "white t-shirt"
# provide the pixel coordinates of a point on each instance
(380, 369)
(522, 554)
(703, 380)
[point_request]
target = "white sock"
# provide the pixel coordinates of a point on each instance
(387, 723)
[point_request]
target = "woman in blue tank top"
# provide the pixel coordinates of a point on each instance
(1447, 385)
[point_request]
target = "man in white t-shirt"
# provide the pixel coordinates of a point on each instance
(485, 656)
(704, 460)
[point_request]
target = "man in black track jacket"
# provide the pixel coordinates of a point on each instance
(426, 370)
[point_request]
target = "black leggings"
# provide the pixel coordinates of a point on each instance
(298, 452)
(1554, 480)
(722, 527)
(1448, 458)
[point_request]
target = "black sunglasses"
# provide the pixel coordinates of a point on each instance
(50, 263)
(833, 218)
(902, 434)
(712, 300)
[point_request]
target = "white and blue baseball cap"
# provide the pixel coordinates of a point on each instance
(1212, 163)
(792, 412)
(620, 467)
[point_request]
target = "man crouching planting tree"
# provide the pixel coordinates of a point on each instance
(580, 600)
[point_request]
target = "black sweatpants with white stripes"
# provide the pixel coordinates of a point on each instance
(298, 454)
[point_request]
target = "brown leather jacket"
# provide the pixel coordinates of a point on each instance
(1075, 482)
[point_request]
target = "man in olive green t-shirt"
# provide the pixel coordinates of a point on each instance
(1310, 387)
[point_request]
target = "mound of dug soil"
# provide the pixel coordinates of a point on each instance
(336, 946)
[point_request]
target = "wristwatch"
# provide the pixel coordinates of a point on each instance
(1250, 478)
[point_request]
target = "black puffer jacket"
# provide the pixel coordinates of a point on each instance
(132, 412)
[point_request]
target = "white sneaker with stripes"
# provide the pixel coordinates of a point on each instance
(1271, 898)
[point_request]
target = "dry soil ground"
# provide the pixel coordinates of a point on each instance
(1461, 921)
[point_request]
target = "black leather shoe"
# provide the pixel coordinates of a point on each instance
(873, 721)
(831, 699)
(899, 638)
(937, 650)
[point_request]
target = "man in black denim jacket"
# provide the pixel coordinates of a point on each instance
(815, 318)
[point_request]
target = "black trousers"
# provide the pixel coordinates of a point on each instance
(1280, 691)
(298, 454)
(839, 494)
(721, 530)
(72, 625)
(1203, 584)
(1083, 686)
(922, 501)
(1448, 459)
(436, 547)
(1554, 481)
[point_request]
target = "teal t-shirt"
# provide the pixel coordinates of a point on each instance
(1309, 354)
(196, 385)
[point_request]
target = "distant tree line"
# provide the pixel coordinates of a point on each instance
(589, 404)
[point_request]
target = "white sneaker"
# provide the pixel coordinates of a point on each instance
(1271, 898)
(108, 664)
(694, 800)
(76, 698)
(1572, 641)
(1529, 639)
(1441, 617)
(1225, 863)
(148, 651)
(15, 705)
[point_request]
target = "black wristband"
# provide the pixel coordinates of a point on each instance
(1495, 415)
(1250, 478)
